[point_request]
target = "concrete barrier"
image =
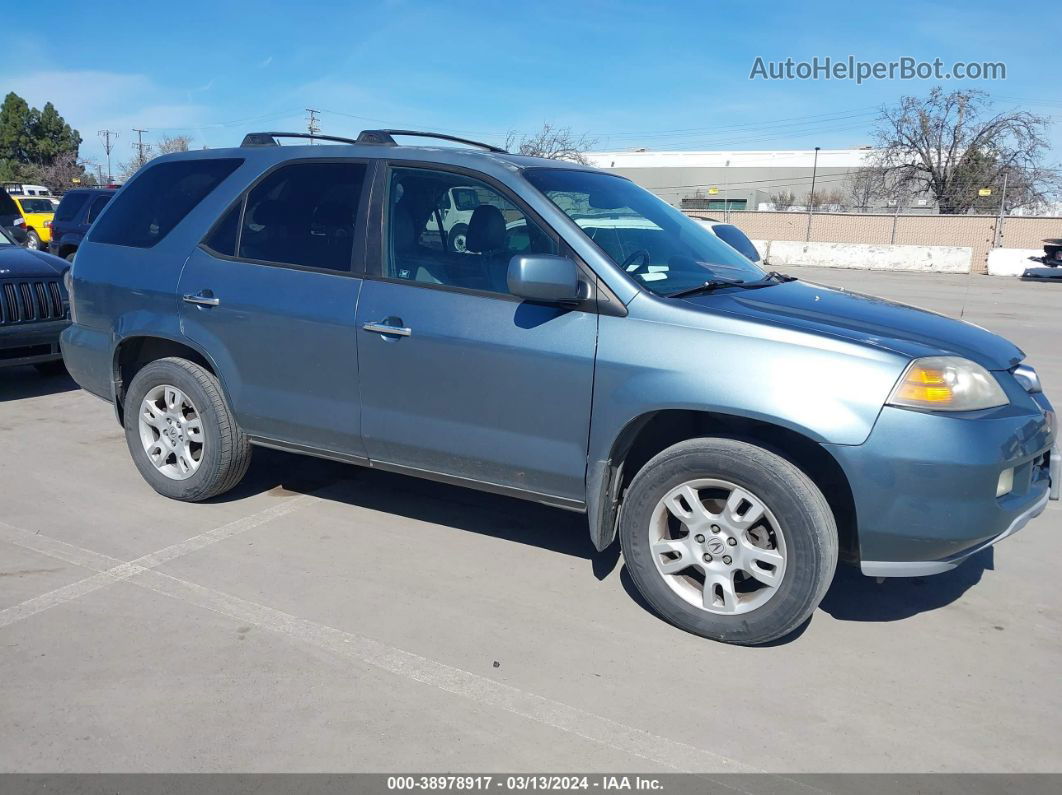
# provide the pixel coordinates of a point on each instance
(867, 256)
(1012, 261)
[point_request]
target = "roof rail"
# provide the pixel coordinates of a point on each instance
(385, 137)
(378, 137)
(270, 138)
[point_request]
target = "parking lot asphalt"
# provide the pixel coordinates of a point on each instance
(324, 617)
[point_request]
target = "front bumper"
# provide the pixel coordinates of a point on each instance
(30, 343)
(924, 484)
(922, 568)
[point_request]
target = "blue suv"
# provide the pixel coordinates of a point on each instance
(585, 346)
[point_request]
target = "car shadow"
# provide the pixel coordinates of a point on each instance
(851, 597)
(855, 597)
(18, 383)
(506, 518)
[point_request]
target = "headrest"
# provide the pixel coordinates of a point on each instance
(486, 229)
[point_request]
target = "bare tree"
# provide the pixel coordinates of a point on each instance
(782, 200)
(866, 185)
(826, 201)
(163, 146)
(174, 143)
(64, 172)
(949, 145)
(556, 143)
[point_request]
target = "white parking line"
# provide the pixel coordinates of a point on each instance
(112, 570)
(479, 689)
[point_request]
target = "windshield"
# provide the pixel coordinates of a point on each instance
(4, 239)
(657, 245)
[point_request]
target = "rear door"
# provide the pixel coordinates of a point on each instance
(271, 294)
(458, 377)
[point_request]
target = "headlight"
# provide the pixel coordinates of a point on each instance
(947, 383)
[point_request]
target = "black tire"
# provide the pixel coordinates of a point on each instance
(70, 257)
(51, 368)
(33, 240)
(226, 451)
(456, 234)
(797, 504)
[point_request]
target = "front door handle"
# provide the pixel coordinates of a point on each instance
(384, 328)
(202, 298)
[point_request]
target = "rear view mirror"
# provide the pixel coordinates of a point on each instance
(544, 277)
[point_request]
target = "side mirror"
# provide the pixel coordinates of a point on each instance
(544, 277)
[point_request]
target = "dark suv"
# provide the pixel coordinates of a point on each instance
(73, 217)
(585, 346)
(33, 307)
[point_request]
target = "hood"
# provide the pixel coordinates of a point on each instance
(867, 320)
(17, 262)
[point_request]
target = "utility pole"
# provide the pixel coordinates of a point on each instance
(726, 192)
(311, 123)
(999, 221)
(107, 146)
(139, 146)
(811, 196)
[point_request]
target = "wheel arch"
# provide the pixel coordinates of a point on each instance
(132, 353)
(651, 432)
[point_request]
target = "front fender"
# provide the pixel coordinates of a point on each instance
(827, 390)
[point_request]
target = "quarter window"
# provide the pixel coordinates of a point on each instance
(304, 214)
(448, 229)
(150, 206)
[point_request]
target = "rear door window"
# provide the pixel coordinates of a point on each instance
(150, 206)
(303, 214)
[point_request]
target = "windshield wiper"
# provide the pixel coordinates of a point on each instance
(774, 277)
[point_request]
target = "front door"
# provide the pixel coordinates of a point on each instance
(271, 295)
(458, 377)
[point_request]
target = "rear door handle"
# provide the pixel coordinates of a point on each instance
(384, 328)
(202, 298)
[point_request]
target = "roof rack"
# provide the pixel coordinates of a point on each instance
(270, 138)
(386, 138)
(377, 137)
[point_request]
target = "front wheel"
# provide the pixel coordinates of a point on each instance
(728, 540)
(181, 433)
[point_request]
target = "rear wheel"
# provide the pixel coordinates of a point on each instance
(728, 540)
(181, 433)
(33, 240)
(70, 257)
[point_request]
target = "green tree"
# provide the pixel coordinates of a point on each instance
(37, 145)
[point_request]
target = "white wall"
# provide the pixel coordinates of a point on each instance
(865, 256)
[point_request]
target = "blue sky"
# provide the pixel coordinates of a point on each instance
(662, 74)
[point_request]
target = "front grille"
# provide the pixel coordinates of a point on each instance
(30, 301)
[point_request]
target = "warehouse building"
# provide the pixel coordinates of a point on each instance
(749, 180)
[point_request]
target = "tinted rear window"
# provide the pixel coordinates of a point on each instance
(70, 206)
(8, 209)
(156, 201)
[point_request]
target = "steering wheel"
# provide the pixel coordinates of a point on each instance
(645, 256)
